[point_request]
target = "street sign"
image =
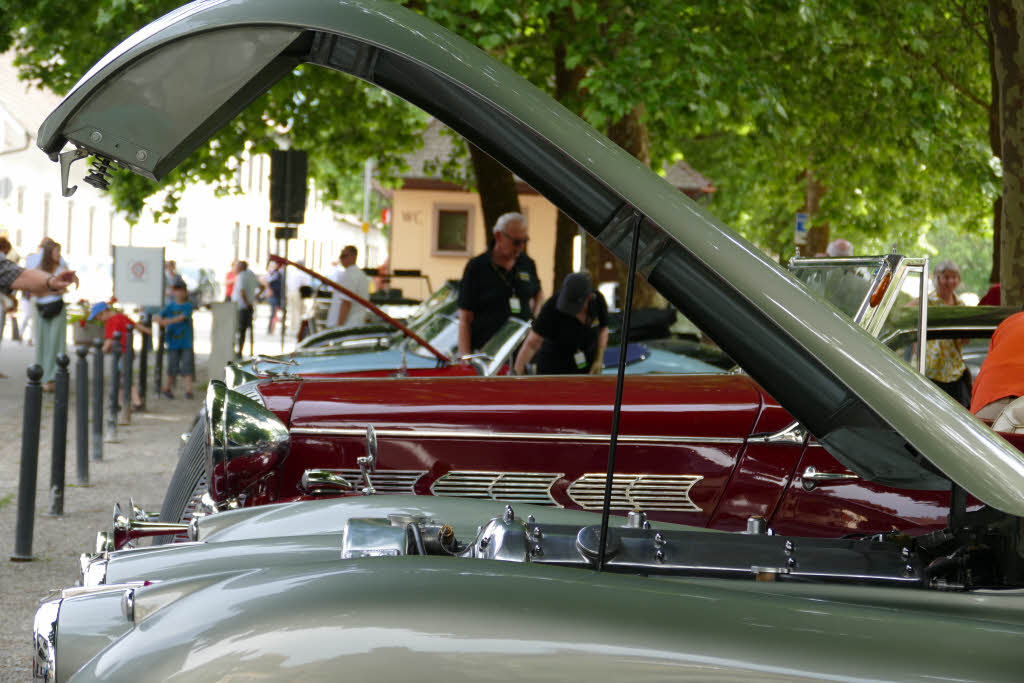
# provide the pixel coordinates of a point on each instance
(286, 233)
(139, 275)
(800, 237)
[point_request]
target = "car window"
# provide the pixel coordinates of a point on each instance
(846, 288)
(441, 332)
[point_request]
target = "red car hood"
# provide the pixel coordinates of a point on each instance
(700, 405)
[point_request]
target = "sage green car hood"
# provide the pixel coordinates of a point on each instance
(446, 619)
(168, 88)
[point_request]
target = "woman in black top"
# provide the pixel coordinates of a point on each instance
(570, 333)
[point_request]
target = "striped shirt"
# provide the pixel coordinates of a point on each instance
(9, 272)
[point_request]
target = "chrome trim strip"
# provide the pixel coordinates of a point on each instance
(521, 487)
(514, 436)
(646, 492)
(384, 481)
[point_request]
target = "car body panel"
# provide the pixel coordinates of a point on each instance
(313, 622)
(449, 618)
(453, 617)
(706, 450)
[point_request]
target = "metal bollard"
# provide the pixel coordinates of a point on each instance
(58, 460)
(29, 465)
(97, 400)
(147, 320)
(128, 375)
(115, 386)
(158, 368)
(82, 416)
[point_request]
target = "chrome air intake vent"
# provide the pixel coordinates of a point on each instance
(385, 481)
(251, 390)
(517, 487)
(636, 491)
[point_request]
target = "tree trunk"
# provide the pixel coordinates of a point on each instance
(630, 133)
(996, 143)
(818, 235)
(1007, 21)
(497, 188)
(567, 83)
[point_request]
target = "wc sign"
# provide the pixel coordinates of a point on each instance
(139, 275)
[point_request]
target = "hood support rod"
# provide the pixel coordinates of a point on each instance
(620, 377)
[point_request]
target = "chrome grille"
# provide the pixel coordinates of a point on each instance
(384, 481)
(520, 487)
(636, 491)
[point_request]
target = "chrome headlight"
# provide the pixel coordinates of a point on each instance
(44, 640)
(239, 426)
(240, 431)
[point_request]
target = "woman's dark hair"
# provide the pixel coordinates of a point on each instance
(5, 245)
(49, 263)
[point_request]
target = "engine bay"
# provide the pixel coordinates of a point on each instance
(984, 555)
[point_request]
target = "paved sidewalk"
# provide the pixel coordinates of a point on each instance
(140, 466)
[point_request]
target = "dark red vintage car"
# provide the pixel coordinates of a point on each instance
(703, 449)
(707, 450)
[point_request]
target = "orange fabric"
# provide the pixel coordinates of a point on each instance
(1002, 373)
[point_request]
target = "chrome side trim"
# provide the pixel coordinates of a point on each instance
(636, 491)
(518, 487)
(513, 436)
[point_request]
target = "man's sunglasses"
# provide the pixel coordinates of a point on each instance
(516, 242)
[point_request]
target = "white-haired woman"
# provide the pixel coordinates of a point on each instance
(944, 361)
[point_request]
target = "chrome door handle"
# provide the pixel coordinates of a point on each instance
(812, 477)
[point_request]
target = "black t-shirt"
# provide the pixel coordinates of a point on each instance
(487, 290)
(564, 336)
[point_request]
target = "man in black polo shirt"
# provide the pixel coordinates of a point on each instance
(497, 284)
(570, 333)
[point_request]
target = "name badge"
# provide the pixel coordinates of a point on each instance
(513, 305)
(581, 359)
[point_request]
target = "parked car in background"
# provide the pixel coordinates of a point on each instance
(387, 588)
(380, 328)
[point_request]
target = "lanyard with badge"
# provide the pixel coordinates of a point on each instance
(513, 301)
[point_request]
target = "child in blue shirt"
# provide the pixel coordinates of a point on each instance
(176, 317)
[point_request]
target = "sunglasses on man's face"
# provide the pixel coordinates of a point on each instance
(516, 242)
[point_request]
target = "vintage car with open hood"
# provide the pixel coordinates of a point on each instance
(707, 449)
(444, 588)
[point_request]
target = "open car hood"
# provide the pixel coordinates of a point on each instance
(165, 90)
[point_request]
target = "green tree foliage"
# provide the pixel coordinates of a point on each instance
(887, 105)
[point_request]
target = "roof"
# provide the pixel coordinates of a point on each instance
(683, 176)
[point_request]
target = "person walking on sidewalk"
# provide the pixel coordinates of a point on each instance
(176, 318)
(247, 285)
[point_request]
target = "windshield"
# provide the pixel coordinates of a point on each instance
(437, 300)
(440, 330)
(846, 288)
